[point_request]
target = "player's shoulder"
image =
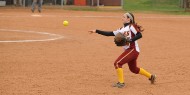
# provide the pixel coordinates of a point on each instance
(137, 27)
(132, 26)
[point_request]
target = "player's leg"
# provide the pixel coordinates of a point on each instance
(151, 77)
(120, 75)
(122, 59)
(40, 5)
(33, 5)
(120, 82)
(133, 68)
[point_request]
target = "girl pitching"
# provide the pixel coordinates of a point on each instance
(132, 32)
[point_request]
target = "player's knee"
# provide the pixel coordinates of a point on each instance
(117, 65)
(134, 70)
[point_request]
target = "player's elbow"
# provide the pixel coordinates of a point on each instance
(139, 35)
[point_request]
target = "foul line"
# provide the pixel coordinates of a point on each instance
(51, 35)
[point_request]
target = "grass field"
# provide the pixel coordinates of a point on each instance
(168, 6)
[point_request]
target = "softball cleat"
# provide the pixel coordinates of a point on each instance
(119, 85)
(152, 79)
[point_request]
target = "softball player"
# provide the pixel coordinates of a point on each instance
(40, 2)
(131, 52)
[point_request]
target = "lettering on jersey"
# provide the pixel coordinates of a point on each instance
(127, 34)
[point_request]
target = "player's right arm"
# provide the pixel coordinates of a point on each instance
(105, 33)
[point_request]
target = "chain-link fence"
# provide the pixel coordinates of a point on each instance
(68, 2)
(45, 2)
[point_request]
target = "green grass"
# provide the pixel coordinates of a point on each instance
(167, 6)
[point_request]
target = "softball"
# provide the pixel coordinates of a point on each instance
(65, 23)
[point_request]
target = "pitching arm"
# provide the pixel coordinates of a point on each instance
(105, 33)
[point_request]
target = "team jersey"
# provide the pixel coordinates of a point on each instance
(129, 31)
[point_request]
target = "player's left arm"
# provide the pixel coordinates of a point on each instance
(138, 34)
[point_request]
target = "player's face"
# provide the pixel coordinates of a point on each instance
(125, 19)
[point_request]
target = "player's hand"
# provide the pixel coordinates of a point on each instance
(92, 31)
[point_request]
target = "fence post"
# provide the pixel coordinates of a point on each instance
(98, 3)
(23, 4)
(181, 3)
(122, 3)
(92, 1)
(61, 3)
(185, 5)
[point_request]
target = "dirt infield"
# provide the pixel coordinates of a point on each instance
(82, 64)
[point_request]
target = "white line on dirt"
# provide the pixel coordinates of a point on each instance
(51, 35)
